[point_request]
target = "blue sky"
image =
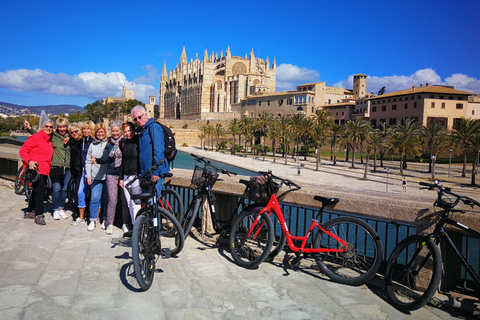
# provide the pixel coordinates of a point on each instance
(62, 52)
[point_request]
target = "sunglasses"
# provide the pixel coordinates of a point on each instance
(51, 127)
(72, 132)
(139, 117)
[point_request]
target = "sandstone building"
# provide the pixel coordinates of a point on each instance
(207, 88)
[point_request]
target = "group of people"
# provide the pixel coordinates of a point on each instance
(100, 160)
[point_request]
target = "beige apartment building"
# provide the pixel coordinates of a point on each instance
(207, 88)
(423, 104)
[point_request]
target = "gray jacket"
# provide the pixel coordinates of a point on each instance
(96, 171)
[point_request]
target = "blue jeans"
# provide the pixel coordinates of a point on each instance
(82, 191)
(95, 202)
(59, 193)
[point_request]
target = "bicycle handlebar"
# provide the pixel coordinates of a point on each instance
(149, 172)
(441, 190)
(202, 160)
(288, 183)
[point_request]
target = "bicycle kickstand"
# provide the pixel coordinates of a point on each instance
(166, 253)
(296, 261)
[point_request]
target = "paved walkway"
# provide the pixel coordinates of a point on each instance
(60, 271)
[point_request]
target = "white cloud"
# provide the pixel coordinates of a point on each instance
(289, 76)
(395, 83)
(87, 84)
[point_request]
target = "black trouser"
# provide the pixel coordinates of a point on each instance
(38, 196)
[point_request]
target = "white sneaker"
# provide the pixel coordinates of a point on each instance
(103, 225)
(125, 228)
(62, 214)
(78, 221)
(56, 215)
(91, 226)
(109, 229)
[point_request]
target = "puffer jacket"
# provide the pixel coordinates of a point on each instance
(96, 171)
(152, 148)
(38, 148)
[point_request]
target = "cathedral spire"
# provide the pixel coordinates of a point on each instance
(164, 71)
(228, 53)
(205, 55)
(183, 57)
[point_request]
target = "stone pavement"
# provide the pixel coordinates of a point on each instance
(60, 271)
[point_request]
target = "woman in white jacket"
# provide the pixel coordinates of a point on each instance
(95, 173)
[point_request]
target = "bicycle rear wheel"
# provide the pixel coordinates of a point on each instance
(171, 201)
(360, 262)
(251, 238)
(413, 273)
(143, 254)
(171, 233)
(71, 194)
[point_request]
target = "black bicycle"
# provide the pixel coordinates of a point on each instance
(156, 231)
(24, 184)
(414, 269)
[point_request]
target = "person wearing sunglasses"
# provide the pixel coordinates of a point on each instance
(76, 167)
(36, 154)
(152, 146)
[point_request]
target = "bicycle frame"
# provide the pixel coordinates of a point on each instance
(440, 231)
(273, 205)
(205, 192)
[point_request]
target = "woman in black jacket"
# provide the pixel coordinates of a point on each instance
(76, 167)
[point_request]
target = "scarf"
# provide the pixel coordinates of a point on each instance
(116, 152)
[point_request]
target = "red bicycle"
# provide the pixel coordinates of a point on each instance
(346, 249)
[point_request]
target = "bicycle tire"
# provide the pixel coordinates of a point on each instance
(171, 201)
(19, 182)
(171, 232)
(360, 262)
(279, 239)
(143, 252)
(71, 194)
(249, 251)
(401, 283)
(29, 189)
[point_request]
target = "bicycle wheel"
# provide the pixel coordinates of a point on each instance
(143, 252)
(279, 239)
(19, 182)
(413, 273)
(171, 201)
(28, 189)
(251, 238)
(360, 262)
(71, 194)
(171, 233)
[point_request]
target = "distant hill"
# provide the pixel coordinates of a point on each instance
(11, 109)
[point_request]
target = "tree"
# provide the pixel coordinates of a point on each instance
(463, 131)
(336, 131)
(406, 140)
(296, 123)
(264, 121)
(218, 131)
(356, 130)
(323, 122)
(377, 142)
(381, 91)
(368, 146)
(435, 140)
(246, 128)
(234, 129)
(286, 134)
(385, 132)
(274, 133)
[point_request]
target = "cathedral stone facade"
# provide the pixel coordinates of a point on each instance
(206, 89)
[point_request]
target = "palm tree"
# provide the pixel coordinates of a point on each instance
(307, 132)
(377, 142)
(201, 136)
(247, 130)
(296, 123)
(323, 122)
(263, 123)
(284, 127)
(218, 131)
(475, 146)
(385, 132)
(368, 146)
(406, 140)
(463, 131)
(336, 131)
(234, 129)
(274, 133)
(435, 140)
(356, 131)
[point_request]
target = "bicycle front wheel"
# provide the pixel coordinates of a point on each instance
(251, 238)
(19, 182)
(71, 194)
(362, 257)
(171, 233)
(171, 201)
(413, 273)
(143, 254)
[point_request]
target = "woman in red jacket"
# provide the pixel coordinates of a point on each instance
(36, 153)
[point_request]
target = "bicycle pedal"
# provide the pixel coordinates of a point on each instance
(166, 253)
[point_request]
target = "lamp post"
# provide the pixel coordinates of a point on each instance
(449, 162)
(433, 168)
(345, 157)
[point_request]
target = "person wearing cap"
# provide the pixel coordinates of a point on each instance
(36, 154)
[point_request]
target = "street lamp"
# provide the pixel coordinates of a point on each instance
(433, 168)
(345, 157)
(449, 162)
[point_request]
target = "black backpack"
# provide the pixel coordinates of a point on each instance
(169, 137)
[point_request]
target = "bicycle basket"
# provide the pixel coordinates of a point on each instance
(200, 173)
(261, 189)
